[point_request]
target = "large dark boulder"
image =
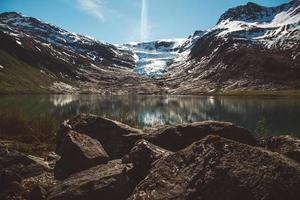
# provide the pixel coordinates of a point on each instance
(286, 145)
(108, 181)
(216, 168)
(143, 155)
(78, 152)
(181, 136)
(116, 138)
(16, 166)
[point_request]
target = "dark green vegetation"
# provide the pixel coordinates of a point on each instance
(19, 77)
(34, 136)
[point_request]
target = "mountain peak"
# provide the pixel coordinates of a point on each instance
(249, 12)
(11, 14)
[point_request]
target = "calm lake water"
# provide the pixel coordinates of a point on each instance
(280, 115)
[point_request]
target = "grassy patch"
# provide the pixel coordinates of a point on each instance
(34, 136)
(19, 77)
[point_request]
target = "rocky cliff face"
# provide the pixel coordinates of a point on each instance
(251, 48)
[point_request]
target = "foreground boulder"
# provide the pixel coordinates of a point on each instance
(116, 138)
(78, 152)
(14, 167)
(286, 145)
(180, 136)
(216, 168)
(108, 181)
(143, 155)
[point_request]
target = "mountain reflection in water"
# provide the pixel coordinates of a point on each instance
(281, 114)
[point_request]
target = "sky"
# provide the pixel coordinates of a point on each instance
(122, 21)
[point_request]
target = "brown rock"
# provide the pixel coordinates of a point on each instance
(216, 168)
(16, 166)
(78, 152)
(37, 193)
(13, 191)
(181, 136)
(108, 181)
(143, 155)
(286, 145)
(116, 138)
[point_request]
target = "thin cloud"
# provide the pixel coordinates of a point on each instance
(93, 7)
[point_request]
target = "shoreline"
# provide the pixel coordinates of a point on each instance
(284, 93)
(96, 156)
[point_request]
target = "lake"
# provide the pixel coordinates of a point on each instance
(278, 115)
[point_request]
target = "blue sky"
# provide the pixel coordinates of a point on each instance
(119, 21)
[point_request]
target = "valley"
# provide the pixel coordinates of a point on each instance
(252, 49)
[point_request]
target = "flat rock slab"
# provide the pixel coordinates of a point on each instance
(216, 168)
(79, 152)
(108, 181)
(181, 136)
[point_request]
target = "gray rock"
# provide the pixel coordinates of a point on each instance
(286, 145)
(216, 168)
(16, 166)
(78, 152)
(108, 181)
(143, 155)
(116, 138)
(181, 136)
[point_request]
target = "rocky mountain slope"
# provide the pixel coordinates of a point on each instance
(251, 48)
(40, 57)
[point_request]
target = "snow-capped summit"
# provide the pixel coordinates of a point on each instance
(252, 12)
(21, 27)
(270, 26)
(252, 47)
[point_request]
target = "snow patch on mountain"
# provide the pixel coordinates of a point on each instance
(153, 57)
(269, 26)
(48, 35)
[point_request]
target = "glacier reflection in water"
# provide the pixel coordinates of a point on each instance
(282, 114)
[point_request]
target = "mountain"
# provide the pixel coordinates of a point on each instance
(251, 48)
(40, 57)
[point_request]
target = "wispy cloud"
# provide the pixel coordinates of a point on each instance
(93, 7)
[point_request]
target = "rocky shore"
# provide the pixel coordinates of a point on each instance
(97, 158)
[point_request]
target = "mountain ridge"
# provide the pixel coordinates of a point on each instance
(251, 48)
